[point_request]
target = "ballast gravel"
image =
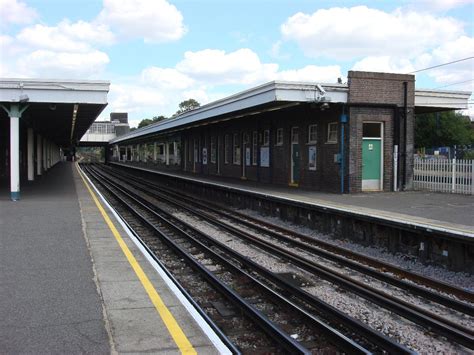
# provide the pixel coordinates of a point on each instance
(392, 325)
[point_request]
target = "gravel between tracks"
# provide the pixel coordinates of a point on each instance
(405, 332)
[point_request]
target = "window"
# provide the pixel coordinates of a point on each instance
(295, 135)
(279, 136)
(236, 157)
(312, 133)
(226, 149)
(332, 132)
(266, 137)
(213, 150)
(196, 151)
(254, 147)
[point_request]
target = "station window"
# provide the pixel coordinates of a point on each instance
(254, 147)
(295, 135)
(236, 157)
(213, 150)
(279, 136)
(312, 133)
(266, 137)
(196, 151)
(226, 149)
(332, 132)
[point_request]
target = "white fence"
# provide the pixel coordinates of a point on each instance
(455, 176)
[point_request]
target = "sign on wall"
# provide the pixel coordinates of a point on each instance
(204, 156)
(265, 157)
(247, 156)
(312, 157)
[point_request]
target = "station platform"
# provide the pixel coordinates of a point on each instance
(73, 281)
(452, 213)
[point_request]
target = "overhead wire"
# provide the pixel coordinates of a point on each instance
(442, 65)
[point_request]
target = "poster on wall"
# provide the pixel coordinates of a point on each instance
(312, 157)
(247, 156)
(265, 157)
(204, 156)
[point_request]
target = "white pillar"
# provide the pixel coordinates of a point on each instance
(15, 158)
(39, 155)
(154, 152)
(45, 160)
(31, 155)
(167, 153)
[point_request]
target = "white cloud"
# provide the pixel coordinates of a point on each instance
(242, 66)
(45, 63)
(322, 74)
(348, 33)
(154, 21)
(66, 36)
(16, 12)
(166, 78)
(385, 64)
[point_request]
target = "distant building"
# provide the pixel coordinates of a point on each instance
(104, 131)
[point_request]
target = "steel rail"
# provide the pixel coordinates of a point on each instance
(278, 335)
(362, 329)
(228, 343)
(416, 314)
(427, 281)
(270, 228)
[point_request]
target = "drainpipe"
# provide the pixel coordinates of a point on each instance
(405, 118)
(343, 119)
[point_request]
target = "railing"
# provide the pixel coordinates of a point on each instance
(443, 175)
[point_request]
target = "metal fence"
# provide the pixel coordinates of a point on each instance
(454, 176)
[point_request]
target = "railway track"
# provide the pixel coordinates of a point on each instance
(227, 220)
(290, 312)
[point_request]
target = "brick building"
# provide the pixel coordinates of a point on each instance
(304, 135)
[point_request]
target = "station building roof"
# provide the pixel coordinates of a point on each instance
(60, 110)
(276, 95)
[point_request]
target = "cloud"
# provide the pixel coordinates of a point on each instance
(154, 21)
(45, 63)
(385, 64)
(349, 33)
(16, 12)
(242, 66)
(323, 74)
(66, 36)
(440, 5)
(166, 78)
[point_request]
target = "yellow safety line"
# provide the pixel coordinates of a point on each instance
(174, 329)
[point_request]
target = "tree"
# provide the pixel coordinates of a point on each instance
(443, 129)
(148, 121)
(187, 105)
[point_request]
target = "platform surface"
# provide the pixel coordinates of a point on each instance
(67, 286)
(447, 211)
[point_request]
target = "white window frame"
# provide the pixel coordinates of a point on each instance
(236, 145)
(266, 137)
(332, 140)
(254, 147)
(279, 137)
(313, 130)
(213, 149)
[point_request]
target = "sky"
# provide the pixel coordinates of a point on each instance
(157, 53)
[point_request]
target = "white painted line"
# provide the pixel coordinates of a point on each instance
(207, 330)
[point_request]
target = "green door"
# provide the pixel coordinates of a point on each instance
(371, 164)
(295, 158)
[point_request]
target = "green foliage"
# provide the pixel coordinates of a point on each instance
(187, 105)
(443, 129)
(184, 106)
(148, 121)
(469, 155)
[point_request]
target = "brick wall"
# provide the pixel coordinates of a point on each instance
(379, 97)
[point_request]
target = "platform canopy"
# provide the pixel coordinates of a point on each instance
(59, 110)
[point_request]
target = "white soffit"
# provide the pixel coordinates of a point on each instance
(455, 100)
(54, 91)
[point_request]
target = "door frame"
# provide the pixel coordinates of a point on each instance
(292, 180)
(381, 138)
